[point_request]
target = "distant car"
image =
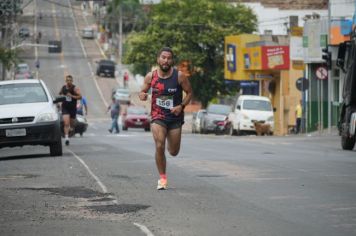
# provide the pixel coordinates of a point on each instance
(22, 71)
(106, 68)
(136, 117)
(24, 32)
(29, 115)
(22, 68)
(196, 122)
(88, 33)
(122, 95)
(215, 119)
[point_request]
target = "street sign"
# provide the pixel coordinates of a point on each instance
(321, 73)
(302, 84)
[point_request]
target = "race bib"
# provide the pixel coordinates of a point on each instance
(165, 102)
(68, 99)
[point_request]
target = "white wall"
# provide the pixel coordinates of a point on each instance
(278, 20)
(342, 8)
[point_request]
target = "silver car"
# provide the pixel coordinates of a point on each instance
(214, 115)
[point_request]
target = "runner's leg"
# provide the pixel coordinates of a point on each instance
(159, 135)
(66, 124)
(174, 138)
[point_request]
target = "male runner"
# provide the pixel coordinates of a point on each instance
(166, 84)
(69, 106)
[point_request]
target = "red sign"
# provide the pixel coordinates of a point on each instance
(275, 57)
(321, 73)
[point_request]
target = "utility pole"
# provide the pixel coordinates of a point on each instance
(329, 69)
(120, 36)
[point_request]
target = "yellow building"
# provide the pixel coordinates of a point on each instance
(250, 58)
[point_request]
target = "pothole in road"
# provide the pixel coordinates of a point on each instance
(211, 176)
(118, 208)
(268, 153)
(76, 192)
(105, 199)
(19, 176)
(121, 177)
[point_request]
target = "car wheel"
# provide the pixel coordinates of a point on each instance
(124, 128)
(55, 149)
(81, 134)
(347, 143)
(147, 129)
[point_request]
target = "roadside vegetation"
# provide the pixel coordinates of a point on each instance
(195, 30)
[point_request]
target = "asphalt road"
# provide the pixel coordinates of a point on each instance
(104, 184)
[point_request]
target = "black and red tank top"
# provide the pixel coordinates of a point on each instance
(166, 93)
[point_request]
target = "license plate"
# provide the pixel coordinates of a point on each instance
(15, 132)
(138, 123)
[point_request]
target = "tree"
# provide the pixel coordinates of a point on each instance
(8, 58)
(126, 15)
(195, 30)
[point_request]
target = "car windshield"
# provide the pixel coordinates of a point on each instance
(22, 68)
(219, 109)
(136, 111)
(22, 93)
(258, 105)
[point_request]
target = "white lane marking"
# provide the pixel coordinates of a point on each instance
(102, 186)
(90, 68)
(144, 229)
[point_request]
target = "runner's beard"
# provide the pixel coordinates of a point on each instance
(165, 68)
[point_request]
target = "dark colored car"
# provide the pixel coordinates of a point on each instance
(136, 117)
(24, 32)
(215, 119)
(106, 68)
(29, 115)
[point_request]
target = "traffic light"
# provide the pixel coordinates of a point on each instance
(326, 56)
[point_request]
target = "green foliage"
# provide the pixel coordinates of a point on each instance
(195, 30)
(134, 18)
(8, 57)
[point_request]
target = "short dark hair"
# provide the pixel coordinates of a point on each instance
(165, 49)
(69, 77)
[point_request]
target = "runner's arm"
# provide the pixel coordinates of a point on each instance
(187, 88)
(145, 87)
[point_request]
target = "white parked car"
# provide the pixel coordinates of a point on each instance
(197, 120)
(250, 109)
(29, 115)
(122, 95)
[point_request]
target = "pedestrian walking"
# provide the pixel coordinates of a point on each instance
(298, 114)
(82, 107)
(69, 106)
(114, 109)
(126, 80)
(167, 108)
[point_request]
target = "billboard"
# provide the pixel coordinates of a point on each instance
(275, 57)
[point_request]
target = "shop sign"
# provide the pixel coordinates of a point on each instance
(298, 65)
(275, 57)
(230, 57)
